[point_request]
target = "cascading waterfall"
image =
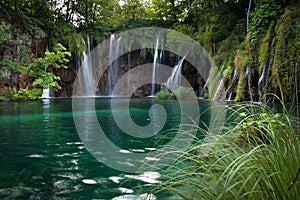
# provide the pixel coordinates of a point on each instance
(262, 78)
(114, 65)
(161, 56)
(234, 76)
(86, 70)
(154, 67)
(174, 80)
(268, 63)
(203, 91)
(214, 48)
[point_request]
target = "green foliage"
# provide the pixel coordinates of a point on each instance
(286, 56)
(40, 69)
(181, 93)
(185, 93)
(5, 32)
(185, 29)
(26, 24)
(231, 170)
(265, 12)
(252, 128)
(205, 37)
(26, 94)
(164, 94)
(264, 48)
(241, 61)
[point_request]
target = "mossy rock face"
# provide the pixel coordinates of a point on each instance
(286, 65)
(241, 60)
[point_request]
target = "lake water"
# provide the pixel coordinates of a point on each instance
(42, 156)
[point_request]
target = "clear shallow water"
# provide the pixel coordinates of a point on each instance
(42, 156)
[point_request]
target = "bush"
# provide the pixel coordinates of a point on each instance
(180, 93)
(185, 93)
(164, 94)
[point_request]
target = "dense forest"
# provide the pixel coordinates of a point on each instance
(254, 43)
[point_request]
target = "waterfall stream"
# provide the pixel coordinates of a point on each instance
(154, 67)
(233, 78)
(46, 93)
(114, 65)
(174, 80)
(86, 70)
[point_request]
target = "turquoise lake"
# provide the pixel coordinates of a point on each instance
(42, 156)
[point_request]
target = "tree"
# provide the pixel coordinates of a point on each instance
(40, 71)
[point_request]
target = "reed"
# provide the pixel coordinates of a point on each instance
(256, 157)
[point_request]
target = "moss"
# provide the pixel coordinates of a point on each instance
(75, 43)
(241, 60)
(185, 93)
(286, 55)
(213, 82)
(265, 45)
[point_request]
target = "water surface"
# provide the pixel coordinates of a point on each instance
(42, 156)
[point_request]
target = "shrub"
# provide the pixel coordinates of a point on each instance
(164, 94)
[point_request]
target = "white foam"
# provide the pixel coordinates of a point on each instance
(115, 179)
(150, 149)
(152, 158)
(125, 190)
(124, 151)
(136, 197)
(89, 181)
(148, 177)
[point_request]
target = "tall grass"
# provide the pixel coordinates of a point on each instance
(257, 157)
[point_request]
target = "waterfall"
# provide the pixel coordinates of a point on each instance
(214, 48)
(233, 79)
(266, 72)
(154, 67)
(203, 91)
(86, 69)
(112, 78)
(46, 90)
(174, 80)
(262, 78)
(161, 56)
(46, 93)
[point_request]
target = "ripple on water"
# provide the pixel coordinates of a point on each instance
(66, 187)
(71, 176)
(148, 177)
(138, 150)
(136, 197)
(125, 190)
(36, 156)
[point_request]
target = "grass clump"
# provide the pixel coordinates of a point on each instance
(257, 157)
